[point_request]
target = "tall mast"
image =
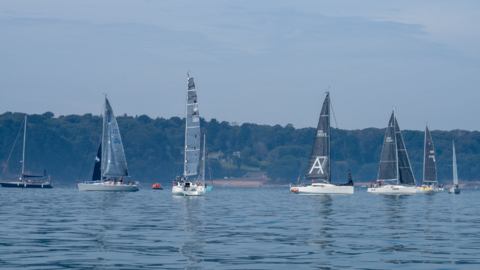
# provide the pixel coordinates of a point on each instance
(203, 161)
(186, 129)
(329, 143)
(102, 169)
(424, 153)
(24, 138)
(396, 146)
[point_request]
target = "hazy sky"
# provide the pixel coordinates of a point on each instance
(265, 62)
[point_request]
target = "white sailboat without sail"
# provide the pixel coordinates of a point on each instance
(454, 189)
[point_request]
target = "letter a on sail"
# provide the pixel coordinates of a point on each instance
(318, 165)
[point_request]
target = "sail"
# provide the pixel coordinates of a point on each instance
(388, 163)
(192, 131)
(114, 162)
(455, 173)
(405, 173)
(201, 177)
(429, 163)
(319, 165)
(97, 169)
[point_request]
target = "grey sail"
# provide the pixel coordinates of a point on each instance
(405, 173)
(319, 165)
(192, 131)
(429, 163)
(113, 158)
(97, 169)
(388, 163)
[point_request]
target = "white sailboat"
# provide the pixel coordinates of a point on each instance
(394, 164)
(184, 186)
(430, 183)
(25, 181)
(319, 165)
(454, 189)
(110, 161)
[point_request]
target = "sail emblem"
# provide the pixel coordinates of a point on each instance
(389, 140)
(320, 133)
(116, 140)
(319, 165)
(97, 159)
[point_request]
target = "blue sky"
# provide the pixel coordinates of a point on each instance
(265, 62)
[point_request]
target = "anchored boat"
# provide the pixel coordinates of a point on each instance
(185, 186)
(430, 183)
(454, 189)
(319, 165)
(25, 181)
(394, 164)
(110, 161)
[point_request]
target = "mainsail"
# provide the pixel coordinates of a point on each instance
(319, 165)
(455, 173)
(405, 173)
(97, 169)
(192, 131)
(388, 163)
(429, 163)
(113, 157)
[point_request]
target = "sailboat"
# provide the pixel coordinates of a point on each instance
(110, 161)
(319, 165)
(184, 186)
(394, 164)
(430, 183)
(454, 189)
(25, 180)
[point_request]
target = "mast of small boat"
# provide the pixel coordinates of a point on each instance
(329, 143)
(396, 146)
(102, 169)
(203, 162)
(455, 173)
(424, 154)
(23, 157)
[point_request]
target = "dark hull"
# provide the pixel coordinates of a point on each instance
(157, 188)
(25, 185)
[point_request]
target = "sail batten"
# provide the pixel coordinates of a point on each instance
(192, 130)
(319, 165)
(429, 162)
(113, 158)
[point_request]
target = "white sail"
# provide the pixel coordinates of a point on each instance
(192, 131)
(455, 173)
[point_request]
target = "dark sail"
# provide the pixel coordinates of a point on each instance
(429, 163)
(319, 165)
(388, 162)
(35, 176)
(97, 169)
(404, 169)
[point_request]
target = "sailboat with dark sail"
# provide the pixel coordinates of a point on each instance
(185, 186)
(394, 164)
(110, 161)
(25, 180)
(430, 183)
(319, 166)
(454, 189)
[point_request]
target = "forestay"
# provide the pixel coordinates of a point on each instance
(192, 131)
(388, 163)
(429, 163)
(455, 173)
(113, 159)
(405, 173)
(319, 165)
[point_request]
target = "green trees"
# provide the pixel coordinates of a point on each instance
(154, 148)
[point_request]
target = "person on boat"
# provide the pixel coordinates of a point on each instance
(313, 181)
(324, 181)
(379, 183)
(120, 181)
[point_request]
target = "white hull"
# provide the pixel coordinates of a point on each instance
(454, 190)
(393, 190)
(106, 187)
(438, 190)
(322, 189)
(189, 191)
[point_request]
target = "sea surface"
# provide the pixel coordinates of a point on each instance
(237, 228)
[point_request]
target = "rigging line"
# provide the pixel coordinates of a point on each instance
(338, 134)
(6, 164)
(89, 147)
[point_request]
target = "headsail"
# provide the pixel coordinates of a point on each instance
(113, 158)
(455, 173)
(97, 169)
(192, 131)
(405, 173)
(319, 165)
(388, 163)
(429, 163)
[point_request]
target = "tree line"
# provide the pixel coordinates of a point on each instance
(66, 147)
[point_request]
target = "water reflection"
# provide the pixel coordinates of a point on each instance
(325, 225)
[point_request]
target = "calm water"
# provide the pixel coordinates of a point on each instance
(237, 228)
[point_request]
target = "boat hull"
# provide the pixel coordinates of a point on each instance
(393, 190)
(181, 191)
(323, 189)
(107, 187)
(454, 190)
(25, 185)
(425, 190)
